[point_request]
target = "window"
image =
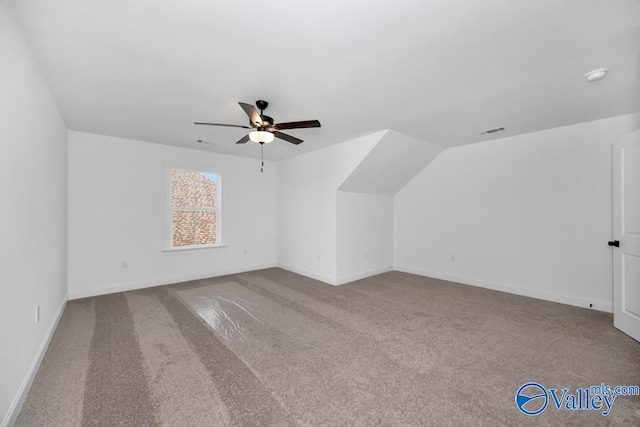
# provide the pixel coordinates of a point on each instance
(195, 208)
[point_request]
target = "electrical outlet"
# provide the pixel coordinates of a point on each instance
(453, 258)
(124, 264)
(37, 314)
(246, 252)
(366, 255)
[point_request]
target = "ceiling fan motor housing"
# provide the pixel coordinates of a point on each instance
(267, 121)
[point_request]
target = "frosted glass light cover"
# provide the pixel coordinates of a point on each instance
(261, 136)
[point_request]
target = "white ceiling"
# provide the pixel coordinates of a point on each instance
(439, 70)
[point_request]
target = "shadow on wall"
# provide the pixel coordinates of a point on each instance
(394, 161)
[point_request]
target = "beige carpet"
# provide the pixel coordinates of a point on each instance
(274, 348)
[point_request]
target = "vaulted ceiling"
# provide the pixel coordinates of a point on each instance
(439, 71)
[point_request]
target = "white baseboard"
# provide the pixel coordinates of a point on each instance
(335, 281)
(353, 277)
(322, 278)
(599, 305)
(158, 281)
(16, 405)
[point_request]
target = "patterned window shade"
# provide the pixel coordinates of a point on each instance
(195, 217)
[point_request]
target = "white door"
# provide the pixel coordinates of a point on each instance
(626, 234)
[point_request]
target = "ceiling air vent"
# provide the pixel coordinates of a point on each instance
(490, 131)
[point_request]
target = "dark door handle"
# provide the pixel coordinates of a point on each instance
(615, 243)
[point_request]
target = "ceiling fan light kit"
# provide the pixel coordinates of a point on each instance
(261, 136)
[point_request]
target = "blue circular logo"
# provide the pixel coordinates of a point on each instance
(532, 398)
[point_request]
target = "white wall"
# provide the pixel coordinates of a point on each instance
(307, 206)
(118, 212)
(394, 161)
(33, 218)
(529, 214)
(365, 235)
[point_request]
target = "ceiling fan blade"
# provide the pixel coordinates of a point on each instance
(252, 113)
(297, 125)
(288, 138)
(243, 140)
(222, 124)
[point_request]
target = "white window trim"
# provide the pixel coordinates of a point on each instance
(220, 203)
(192, 248)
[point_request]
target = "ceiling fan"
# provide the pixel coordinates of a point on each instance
(265, 129)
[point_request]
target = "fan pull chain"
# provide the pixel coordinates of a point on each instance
(262, 157)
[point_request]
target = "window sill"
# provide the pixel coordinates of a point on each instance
(193, 248)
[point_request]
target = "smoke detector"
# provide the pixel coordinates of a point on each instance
(596, 75)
